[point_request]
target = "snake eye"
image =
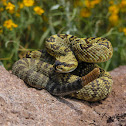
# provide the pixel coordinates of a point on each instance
(63, 67)
(60, 66)
(57, 65)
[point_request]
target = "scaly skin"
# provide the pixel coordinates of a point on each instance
(68, 50)
(40, 74)
(37, 70)
(67, 67)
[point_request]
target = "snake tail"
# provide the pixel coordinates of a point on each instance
(94, 74)
(61, 90)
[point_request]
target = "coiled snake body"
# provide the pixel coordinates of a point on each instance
(67, 67)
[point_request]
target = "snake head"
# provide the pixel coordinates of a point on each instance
(64, 67)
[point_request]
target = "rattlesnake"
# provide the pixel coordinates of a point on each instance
(67, 67)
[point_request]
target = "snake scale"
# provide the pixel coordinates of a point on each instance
(68, 67)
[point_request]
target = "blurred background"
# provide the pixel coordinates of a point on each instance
(25, 24)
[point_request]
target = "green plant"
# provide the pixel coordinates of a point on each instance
(25, 24)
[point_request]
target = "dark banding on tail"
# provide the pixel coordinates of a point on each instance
(61, 90)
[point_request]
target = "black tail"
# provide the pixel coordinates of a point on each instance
(61, 90)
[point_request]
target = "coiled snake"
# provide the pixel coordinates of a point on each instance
(67, 67)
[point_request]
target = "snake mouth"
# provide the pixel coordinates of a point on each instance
(63, 67)
(64, 71)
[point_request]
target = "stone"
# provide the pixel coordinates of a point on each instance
(22, 105)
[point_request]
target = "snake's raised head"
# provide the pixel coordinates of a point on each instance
(66, 63)
(65, 67)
